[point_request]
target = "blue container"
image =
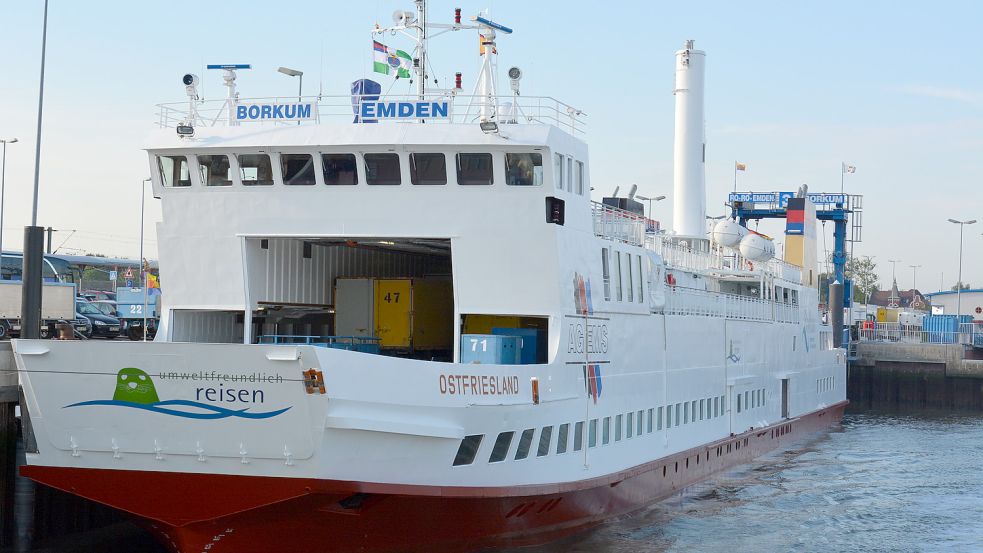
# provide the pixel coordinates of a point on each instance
(943, 329)
(528, 346)
(490, 349)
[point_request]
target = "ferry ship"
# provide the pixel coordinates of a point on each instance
(400, 323)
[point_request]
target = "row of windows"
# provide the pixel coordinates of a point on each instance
(824, 384)
(626, 426)
(752, 399)
(346, 169)
(627, 275)
(568, 174)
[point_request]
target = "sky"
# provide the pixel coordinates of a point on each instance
(793, 89)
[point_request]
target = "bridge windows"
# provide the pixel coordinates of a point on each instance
(255, 169)
(382, 169)
(297, 169)
(174, 171)
(428, 168)
(579, 177)
(474, 168)
(524, 169)
(339, 169)
(215, 170)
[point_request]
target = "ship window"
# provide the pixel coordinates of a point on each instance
(580, 178)
(297, 169)
(255, 169)
(638, 430)
(606, 431)
(468, 449)
(174, 171)
(569, 174)
(215, 170)
(525, 440)
(668, 416)
(686, 413)
(738, 402)
(606, 273)
(648, 423)
(561, 438)
(702, 408)
(339, 169)
(544, 441)
(382, 169)
(631, 279)
(617, 276)
(578, 436)
(558, 170)
(524, 169)
(639, 259)
(630, 425)
(474, 168)
(746, 403)
(658, 419)
(592, 435)
(501, 448)
(428, 168)
(679, 413)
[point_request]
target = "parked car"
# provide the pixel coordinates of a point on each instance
(93, 295)
(103, 326)
(107, 307)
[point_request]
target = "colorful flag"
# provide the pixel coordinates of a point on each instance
(740, 166)
(387, 60)
(849, 168)
(152, 281)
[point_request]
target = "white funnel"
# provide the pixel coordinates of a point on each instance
(689, 202)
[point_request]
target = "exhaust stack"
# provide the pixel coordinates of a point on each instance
(689, 202)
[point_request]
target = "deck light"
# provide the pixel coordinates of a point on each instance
(488, 127)
(185, 130)
(514, 75)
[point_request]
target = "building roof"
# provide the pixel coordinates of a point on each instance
(944, 292)
(906, 298)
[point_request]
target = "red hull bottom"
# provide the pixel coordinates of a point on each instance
(197, 513)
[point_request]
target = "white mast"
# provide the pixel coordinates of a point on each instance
(689, 145)
(421, 37)
(486, 77)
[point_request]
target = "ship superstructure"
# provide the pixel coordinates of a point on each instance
(403, 324)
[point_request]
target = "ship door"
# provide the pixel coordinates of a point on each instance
(784, 398)
(393, 312)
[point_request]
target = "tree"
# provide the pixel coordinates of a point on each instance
(863, 272)
(960, 285)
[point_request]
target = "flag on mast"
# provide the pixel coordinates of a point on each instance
(848, 168)
(387, 60)
(740, 166)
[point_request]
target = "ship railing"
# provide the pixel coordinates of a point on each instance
(351, 343)
(691, 301)
(966, 333)
(617, 224)
(462, 109)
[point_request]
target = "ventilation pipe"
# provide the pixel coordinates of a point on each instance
(689, 150)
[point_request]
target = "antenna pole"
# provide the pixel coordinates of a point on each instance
(421, 38)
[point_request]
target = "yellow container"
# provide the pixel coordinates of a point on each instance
(414, 314)
(887, 314)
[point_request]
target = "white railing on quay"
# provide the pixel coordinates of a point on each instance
(465, 109)
(967, 334)
(691, 301)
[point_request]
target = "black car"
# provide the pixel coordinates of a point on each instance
(103, 326)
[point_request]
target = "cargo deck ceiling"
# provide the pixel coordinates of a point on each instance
(424, 246)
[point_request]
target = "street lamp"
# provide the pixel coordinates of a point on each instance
(3, 178)
(959, 283)
(143, 269)
(914, 274)
(650, 200)
(300, 87)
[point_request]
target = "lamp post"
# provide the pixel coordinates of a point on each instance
(959, 283)
(914, 274)
(300, 87)
(3, 180)
(650, 200)
(143, 269)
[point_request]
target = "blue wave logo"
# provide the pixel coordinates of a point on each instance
(163, 407)
(135, 389)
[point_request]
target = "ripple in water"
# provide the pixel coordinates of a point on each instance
(882, 482)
